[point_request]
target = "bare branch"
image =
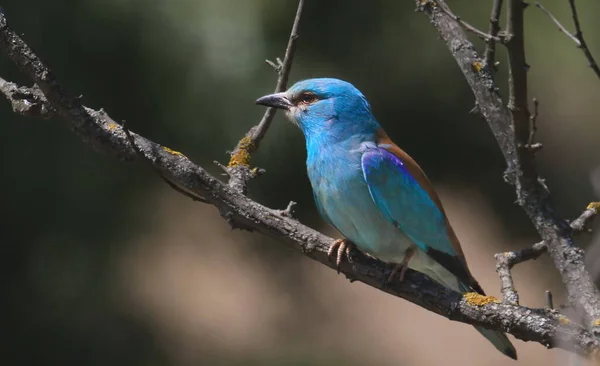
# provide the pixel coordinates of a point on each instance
(104, 134)
(503, 264)
(171, 184)
(479, 33)
(549, 301)
(490, 48)
(577, 37)
(517, 79)
(510, 127)
(238, 169)
(579, 34)
(533, 128)
(29, 102)
(558, 24)
(507, 260)
(581, 223)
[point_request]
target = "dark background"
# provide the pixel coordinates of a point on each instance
(101, 264)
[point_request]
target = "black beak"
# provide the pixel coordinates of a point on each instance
(278, 100)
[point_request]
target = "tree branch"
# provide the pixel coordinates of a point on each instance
(507, 260)
(490, 48)
(98, 129)
(238, 169)
(579, 34)
(561, 27)
(29, 102)
(479, 33)
(577, 37)
(510, 126)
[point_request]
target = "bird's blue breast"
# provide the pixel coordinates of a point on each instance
(343, 198)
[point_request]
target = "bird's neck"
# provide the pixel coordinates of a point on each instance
(340, 131)
(342, 140)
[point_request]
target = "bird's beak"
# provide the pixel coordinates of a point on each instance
(277, 100)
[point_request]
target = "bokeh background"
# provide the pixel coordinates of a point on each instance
(102, 264)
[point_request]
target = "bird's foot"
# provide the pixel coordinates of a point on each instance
(400, 267)
(340, 247)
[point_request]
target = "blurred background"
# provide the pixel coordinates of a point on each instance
(102, 264)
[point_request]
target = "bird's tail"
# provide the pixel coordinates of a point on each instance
(498, 339)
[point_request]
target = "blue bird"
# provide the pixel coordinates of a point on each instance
(373, 192)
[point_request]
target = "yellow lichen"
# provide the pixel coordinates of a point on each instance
(476, 299)
(172, 152)
(477, 66)
(241, 155)
(563, 320)
(596, 323)
(112, 126)
(594, 206)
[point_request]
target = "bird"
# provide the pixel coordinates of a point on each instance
(373, 192)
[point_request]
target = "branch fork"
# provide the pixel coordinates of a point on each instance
(507, 260)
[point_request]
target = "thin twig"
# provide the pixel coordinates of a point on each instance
(490, 47)
(517, 100)
(577, 37)
(104, 134)
(561, 27)
(486, 37)
(582, 222)
(549, 301)
(507, 288)
(533, 127)
(238, 168)
(504, 263)
(284, 73)
(507, 260)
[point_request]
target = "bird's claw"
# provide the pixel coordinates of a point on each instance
(340, 247)
(399, 267)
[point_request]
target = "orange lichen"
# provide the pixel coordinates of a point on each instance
(594, 206)
(241, 155)
(476, 299)
(563, 320)
(172, 152)
(112, 126)
(477, 66)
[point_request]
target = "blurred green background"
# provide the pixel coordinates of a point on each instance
(101, 264)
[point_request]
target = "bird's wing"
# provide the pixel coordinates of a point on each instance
(404, 194)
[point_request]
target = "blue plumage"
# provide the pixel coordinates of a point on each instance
(422, 221)
(372, 191)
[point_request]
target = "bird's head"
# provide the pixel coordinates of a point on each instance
(324, 107)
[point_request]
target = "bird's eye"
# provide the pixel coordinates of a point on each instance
(307, 98)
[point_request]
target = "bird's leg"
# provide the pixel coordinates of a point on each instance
(401, 267)
(341, 247)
